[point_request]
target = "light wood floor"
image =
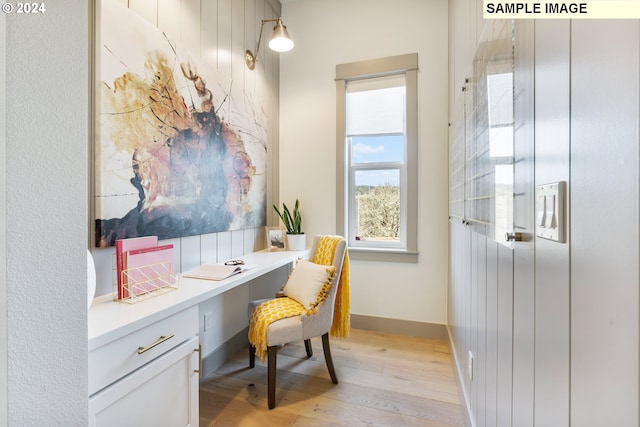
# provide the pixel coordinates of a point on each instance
(384, 380)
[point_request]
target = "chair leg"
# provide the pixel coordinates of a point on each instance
(327, 358)
(307, 346)
(271, 375)
(252, 356)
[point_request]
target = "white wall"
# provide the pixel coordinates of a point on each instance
(47, 129)
(3, 223)
(332, 32)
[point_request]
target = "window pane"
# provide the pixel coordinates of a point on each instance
(500, 98)
(377, 205)
(376, 111)
(371, 149)
(501, 141)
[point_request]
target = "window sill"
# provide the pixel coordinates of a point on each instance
(383, 255)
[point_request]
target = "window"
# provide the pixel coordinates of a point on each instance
(377, 157)
(376, 176)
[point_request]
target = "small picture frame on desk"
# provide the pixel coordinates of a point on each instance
(276, 240)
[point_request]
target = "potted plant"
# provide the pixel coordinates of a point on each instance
(296, 240)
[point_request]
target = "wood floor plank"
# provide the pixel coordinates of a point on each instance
(413, 387)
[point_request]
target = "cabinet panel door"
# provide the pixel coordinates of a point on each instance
(161, 393)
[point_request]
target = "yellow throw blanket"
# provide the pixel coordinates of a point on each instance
(282, 308)
(341, 326)
(267, 313)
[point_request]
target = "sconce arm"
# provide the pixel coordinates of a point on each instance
(249, 58)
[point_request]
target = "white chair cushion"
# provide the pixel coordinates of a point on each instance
(307, 280)
(284, 331)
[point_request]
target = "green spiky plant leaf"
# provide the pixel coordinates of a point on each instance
(292, 222)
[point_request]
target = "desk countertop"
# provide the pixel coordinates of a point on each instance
(110, 320)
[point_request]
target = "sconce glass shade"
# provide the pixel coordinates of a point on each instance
(280, 41)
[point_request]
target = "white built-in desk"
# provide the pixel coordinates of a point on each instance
(148, 351)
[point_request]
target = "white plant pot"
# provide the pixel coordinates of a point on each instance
(296, 242)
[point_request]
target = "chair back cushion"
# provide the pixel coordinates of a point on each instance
(309, 283)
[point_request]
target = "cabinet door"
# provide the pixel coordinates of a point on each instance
(161, 393)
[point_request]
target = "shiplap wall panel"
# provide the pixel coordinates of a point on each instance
(250, 240)
(148, 9)
(209, 248)
(169, 12)
(224, 36)
(223, 246)
(585, 293)
(552, 293)
(269, 92)
(237, 243)
(190, 252)
(505, 335)
(251, 22)
(480, 366)
(473, 318)
(209, 33)
(216, 34)
(191, 24)
(491, 336)
(605, 93)
(523, 220)
(238, 65)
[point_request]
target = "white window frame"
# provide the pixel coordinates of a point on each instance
(371, 250)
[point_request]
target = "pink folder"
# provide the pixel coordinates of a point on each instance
(124, 245)
(147, 269)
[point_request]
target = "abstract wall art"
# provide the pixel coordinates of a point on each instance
(178, 151)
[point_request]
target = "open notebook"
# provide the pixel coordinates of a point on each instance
(216, 271)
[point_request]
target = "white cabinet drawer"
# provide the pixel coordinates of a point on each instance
(118, 358)
(161, 393)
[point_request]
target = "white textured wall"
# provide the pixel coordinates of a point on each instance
(332, 32)
(47, 130)
(3, 225)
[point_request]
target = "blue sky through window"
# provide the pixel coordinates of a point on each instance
(377, 149)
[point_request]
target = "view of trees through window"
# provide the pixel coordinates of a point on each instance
(378, 212)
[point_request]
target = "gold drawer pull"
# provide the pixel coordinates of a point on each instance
(160, 341)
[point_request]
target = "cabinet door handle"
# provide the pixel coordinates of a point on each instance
(514, 237)
(158, 342)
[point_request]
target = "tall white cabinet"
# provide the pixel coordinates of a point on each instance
(551, 337)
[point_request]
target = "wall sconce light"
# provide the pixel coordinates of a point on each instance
(280, 42)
